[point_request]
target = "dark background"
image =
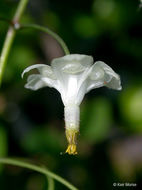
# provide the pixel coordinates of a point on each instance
(32, 122)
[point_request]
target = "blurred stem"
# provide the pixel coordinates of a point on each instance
(50, 183)
(37, 169)
(50, 32)
(10, 36)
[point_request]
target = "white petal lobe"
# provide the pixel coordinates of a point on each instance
(37, 81)
(103, 75)
(37, 66)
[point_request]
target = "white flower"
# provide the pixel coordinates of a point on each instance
(73, 76)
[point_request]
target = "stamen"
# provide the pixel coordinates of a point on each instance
(71, 135)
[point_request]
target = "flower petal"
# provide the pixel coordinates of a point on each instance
(70, 71)
(73, 63)
(102, 75)
(44, 70)
(73, 68)
(36, 81)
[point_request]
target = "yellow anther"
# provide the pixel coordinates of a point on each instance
(71, 149)
(71, 135)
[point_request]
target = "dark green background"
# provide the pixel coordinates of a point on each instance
(32, 122)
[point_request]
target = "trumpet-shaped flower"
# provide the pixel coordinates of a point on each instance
(73, 76)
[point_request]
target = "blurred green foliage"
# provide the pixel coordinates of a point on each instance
(20, 54)
(96, 119)
(3, 143)
(131, 104)
(31, 123)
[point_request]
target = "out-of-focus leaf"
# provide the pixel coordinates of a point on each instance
(131, 107)
(19, 59)
(96, 119)
(112, 14)
(85, 26)
(3, 143)
(51, 20)
(43, 140)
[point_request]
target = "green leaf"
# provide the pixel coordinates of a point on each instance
(96, 119)
(3, 144)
